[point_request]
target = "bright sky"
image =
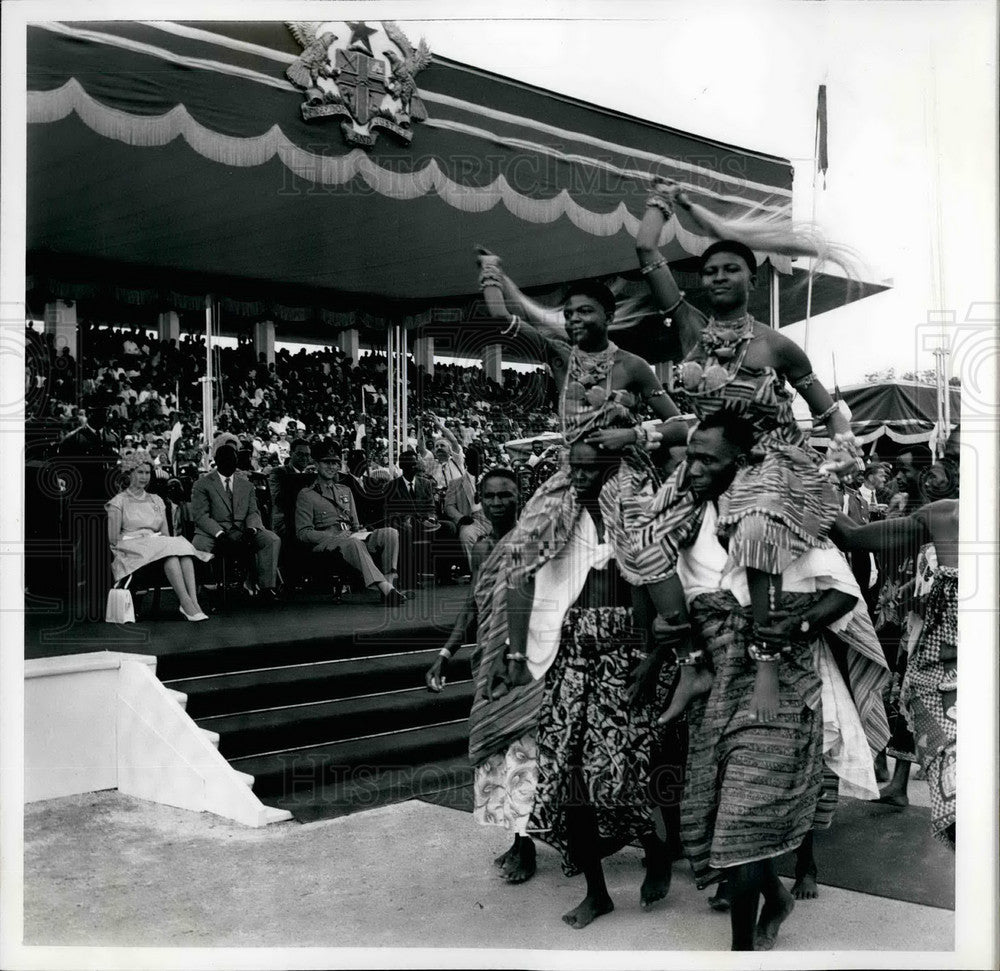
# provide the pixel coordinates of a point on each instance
(912, 121)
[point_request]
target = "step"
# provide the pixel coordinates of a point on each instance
(294, 774)
(276, 729)
(336, 645)
(279, 687)
(363, 791)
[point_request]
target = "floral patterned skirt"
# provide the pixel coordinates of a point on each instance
(592, 747)
(504, 787)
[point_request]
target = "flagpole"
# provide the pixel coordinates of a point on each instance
(820, 119)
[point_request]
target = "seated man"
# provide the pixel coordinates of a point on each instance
(286, 481)
(410, 508)
(327, 522)
(224, 511)
(465, 514)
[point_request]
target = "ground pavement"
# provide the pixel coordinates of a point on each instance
(107, 869)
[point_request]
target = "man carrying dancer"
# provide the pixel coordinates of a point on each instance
(756, 758)
(579, 643)
(784, 504)
(505, 778)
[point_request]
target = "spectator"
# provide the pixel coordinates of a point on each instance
(224, 510)
(286, 481)
(326, 521)
(139, 535)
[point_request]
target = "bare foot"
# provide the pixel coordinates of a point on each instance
(521, 865)
(720, 902)
(881, 767)
(501, 860)
(772, 915)
(657, 882)
(694, 681)
(805, 888)
(589, 910)
(893, 797)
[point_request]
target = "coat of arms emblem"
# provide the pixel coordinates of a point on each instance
(363, 75)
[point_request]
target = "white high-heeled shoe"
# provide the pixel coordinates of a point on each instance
(199, 616)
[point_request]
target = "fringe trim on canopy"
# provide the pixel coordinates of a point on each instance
(44, 107)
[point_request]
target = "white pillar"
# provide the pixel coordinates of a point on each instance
(349, 342)
(423, 354)
(60, 319)
(493, 362)
(168, 326)
(263, 340)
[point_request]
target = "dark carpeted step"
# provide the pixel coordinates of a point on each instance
(290, 774)
(276, 729)
(368, 789)
(327, 681)
(335, 645)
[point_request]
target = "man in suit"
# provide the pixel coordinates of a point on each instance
(326, 520)
(285, 482)
(465, 514)
(410, 508)
(224, 510)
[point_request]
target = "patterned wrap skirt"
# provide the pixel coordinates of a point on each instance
(929, 697)
(752, 791)
(504, 786)
(592, 747)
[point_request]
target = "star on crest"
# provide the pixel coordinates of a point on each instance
(360, 32)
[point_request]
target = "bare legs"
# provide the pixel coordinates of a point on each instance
(180, 575)
(747, 883)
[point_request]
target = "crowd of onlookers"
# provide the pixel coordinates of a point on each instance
(138, 391)
(131, 393)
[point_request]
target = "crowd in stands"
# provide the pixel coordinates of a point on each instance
(147, 393)
(131, 393)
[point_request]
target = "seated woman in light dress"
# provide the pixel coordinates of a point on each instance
(138, 534)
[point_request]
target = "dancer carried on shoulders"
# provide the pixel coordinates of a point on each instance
(782, 502)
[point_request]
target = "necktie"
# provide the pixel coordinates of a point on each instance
(229, 491)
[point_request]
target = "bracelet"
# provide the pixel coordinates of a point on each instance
(491, 276)
(513, 327)
(445, 653)
(760, 652)
(697, 656)
(657, 201)
(826, 414)
(516, 657)
(804, 381)
(675, 305)
(658, 394)
(645, 268)
(640, 434)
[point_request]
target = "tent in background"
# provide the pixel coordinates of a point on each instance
(903, 411)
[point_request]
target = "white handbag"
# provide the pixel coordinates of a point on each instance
(119, 609)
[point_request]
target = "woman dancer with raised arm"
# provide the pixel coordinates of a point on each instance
(779, 506)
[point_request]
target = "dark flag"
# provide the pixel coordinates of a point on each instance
(822, 161)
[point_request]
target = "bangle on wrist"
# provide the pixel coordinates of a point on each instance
(516, 657)
(645, 268)
(762, 652)
(656, 200)
(826, 414)
(512, 327)
(445, 653)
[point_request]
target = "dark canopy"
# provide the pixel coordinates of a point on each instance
(168, 160)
